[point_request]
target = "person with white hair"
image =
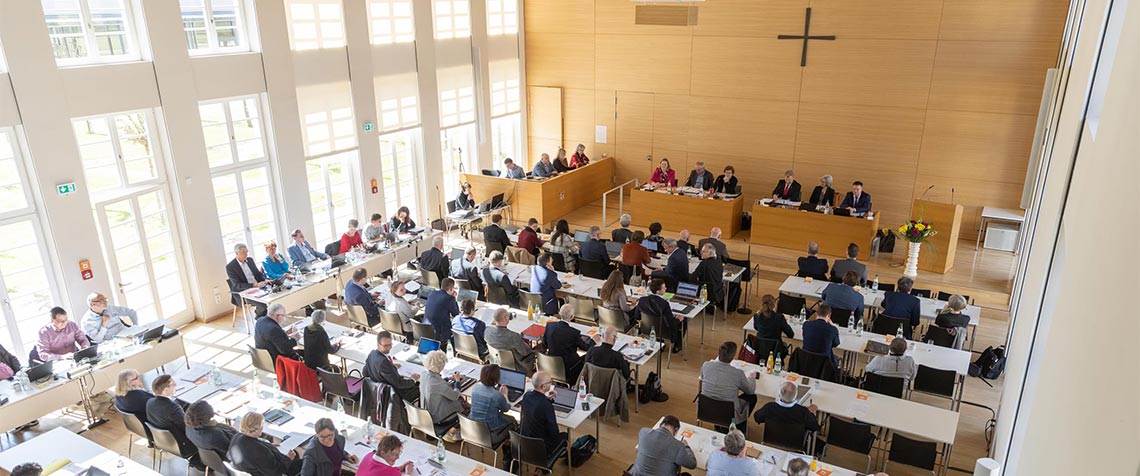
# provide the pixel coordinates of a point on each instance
(621, 235)
(102, 321)
(732, 460)
(710, 273)
(823, 194)
(593, 249)
(464, 268)
(563, 340)
(603, 355)
(798, 467)
(952, 318)
(269, 335)
(714, 239)
(318, 346)
(785, 410)
(442, 401)
(699, 177)
(683, 243)
(243, 273)
(812, 266)
(434, 260)
(500, 337)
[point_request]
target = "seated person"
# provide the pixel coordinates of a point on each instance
(318, 346)
(381, 367)
(28, 469)
(819, 334)
(268, 334)
(544, 168)
(579, 158)
(351, 239)
(402, 222)
(374, 232)
(621, 235)
(683, 238)
(655, 234)
(953, 319)
(633, 253)
(844, 296)
(58, 339)
(434, 260)
(325, 454)
(537, 416)
(842, 266)
(243, 274)
(561, 162)
(710, 273)
(205, 433)
(131, 395)
(770, 324)
(496, 276)
(714, 239)
(256, 456)
(603, 355)
(356, 294)
(502, 338)
(382, 462)
(788, 188)
(663, 175)
(399, 304)
(699, 177)
(9, 364)
(494, 236)
(721, 381)
(164, 413)
(726, 182)
(301, 252)
(901, 304)
(464, 201)
(823, 194)
(563, 340)
(856, 201)
(528, 237)
(468, 324)
(676, 268)
(511, 170)
(102, 321)
(464, 268)
(562, 242)
(489, 404)
(613, 296)
(786, 410)
(439, 310)
(275, 264)
(895, 364)
(442, 401)
(732, 460)
(657, 306)
(544, 281)
(660, 453)
(812, 266)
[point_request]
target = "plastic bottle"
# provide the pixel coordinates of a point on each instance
(215, 375)
(803, 314)
(771, 361)
(860, 328)
(732, 425)
(440, 451)
(875, 283)
(899, 334)
(704, 294)
(851, 324)
(254, 386)
(653, 336)
(22, 382)
(530, 312)
(779, 365)
(277, 391)
(581, 390)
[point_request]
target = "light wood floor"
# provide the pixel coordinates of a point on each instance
(985, 275)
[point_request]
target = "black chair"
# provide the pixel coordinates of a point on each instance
(939, 336)
(718, 412)
(652, 324)
(945, 296)
(490, 172)
(628, 271)
(532, 452)
(335, 385)
(559, 262)
(451, 206)
(840, 316)
(892, 386)
(851, 436)
(887, 287)
(214, 463)
(889, 326)
(912, 452)
(920, 292)
(766, 346)
(936, 382)
(593, 269)
(494, 246)
(836, 279)
(790, 305)
(813, 365)
(333, 249)
(786, 436)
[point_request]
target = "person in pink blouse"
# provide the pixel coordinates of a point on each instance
(382, 462)
(59, 338)
(664, 175)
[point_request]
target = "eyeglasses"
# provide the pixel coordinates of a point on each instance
(328, 435)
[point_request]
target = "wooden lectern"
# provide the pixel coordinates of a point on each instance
(947, 220)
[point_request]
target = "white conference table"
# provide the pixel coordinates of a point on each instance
(800, 287)
(83, 453)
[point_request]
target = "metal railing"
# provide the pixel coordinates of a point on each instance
(621, 200)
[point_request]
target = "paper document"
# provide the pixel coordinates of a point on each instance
(291, 441)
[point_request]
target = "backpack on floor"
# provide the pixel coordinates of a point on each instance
(583, 448)
(651, 390)
(990, 364)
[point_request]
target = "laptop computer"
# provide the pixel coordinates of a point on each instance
(564, 400)
(650, 245)
(841, 212)
(91, 352)
(151, 334)
(490, 172)
(808, 207)
(515, 383)
(457, 253)
(614, 248)
(462, 294)
(581, 236)
(496, 201)
(686, 293)
(426, 345)
(40, 372)
(423, 292)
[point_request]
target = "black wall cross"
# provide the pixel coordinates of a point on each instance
(806, 36)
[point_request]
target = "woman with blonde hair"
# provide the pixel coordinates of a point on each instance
(276, 266)
(131, 394)
(614, 296)
(560, 162)
(437, 396)
(251, 454)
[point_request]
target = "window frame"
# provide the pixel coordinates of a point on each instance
(451, 33)
(212, 31)
(353, 189)
(233, 142)
(319, 39)
(502, 14)
(86, 24)
(412, 136)
(125, 186)
(393, 37)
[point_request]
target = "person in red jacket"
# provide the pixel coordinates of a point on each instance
(350, 238)
(528, 237)
(579, 158)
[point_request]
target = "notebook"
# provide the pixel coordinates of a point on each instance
(534, 332)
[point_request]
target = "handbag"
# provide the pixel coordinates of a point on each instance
(583, 448)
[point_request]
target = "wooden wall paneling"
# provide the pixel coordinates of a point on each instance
(891, 192)
(578, 115)
(879, 138)
(630, 161)
(979, 146)
(604, 110)
(754, 18)
(544, 110)
(539, 145)
(1024, 20)
(646, 63)
(558, 16)
(868, 72)
(671, 122)
(991, 76)
(633, 134)
(759, 68)
(560, 59)
(868, 19)
(971, 194)
(617, 17)
(757, 175)
(742, 127)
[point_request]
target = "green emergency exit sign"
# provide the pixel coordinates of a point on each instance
(65, 188)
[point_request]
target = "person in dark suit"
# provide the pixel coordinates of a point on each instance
(726, 182)
(699, 177)
(856, 200)
(544, 281)
(243, 274)
(683, 243)
(496, 276)
(603, 355)
(819, 334)
(902, 304)
(537, 415)
(131, 396)
(710, 273)
(842, 266)
(464, 268)
(770, 324)
(676, 268)
(621, 235)
(318, 346)
(823, 194)
(655, 305)
(252, 454)
(379, 366)
(268, 334)
(434, 260)
(785, 410)
(205, 433)
(402, 222)
(563, 340)
(844, 296)
(593, 249)
(788, 188)
(812, 266)
(714, 239)
(164, 413)
(357, 295)
(301, 252)
(494, 236)
(440, 308)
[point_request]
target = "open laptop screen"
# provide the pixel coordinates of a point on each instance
(428, 345)
(512, 379)
(688, 290)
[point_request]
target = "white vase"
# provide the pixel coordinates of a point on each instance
(912, 259)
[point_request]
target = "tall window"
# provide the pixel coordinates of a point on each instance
(398, 152)
(315, 24)
(391, 21)
(458, 147)
(87, 31)
(452, 19)
(397, 99)
(326, 117)
(332, 194)
(27, 286)
(505, 135)
(213, 26)
(502, 17)
(132, 208)
(506, 125)
(456, 106)
(240, 169)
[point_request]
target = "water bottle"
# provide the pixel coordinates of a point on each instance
(215, 375)
(779, 365)
(899, 334)
(440, 451)
(653, 336)
(22, 382)
(859, 328)
(875, 283)
(254, 386)
(704, 294)
(851, 324)
(803, 314)
(368, 432)
(732, 425)
(581, 390)
(277, 391)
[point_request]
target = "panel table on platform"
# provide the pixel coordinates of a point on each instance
(681, 212)
(546, 199)
(793, 228)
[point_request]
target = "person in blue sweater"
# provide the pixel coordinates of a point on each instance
(439, 310)
(468, 324)
(275, 265)
(544, 281)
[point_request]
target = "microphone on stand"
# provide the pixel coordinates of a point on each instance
(920, 197)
